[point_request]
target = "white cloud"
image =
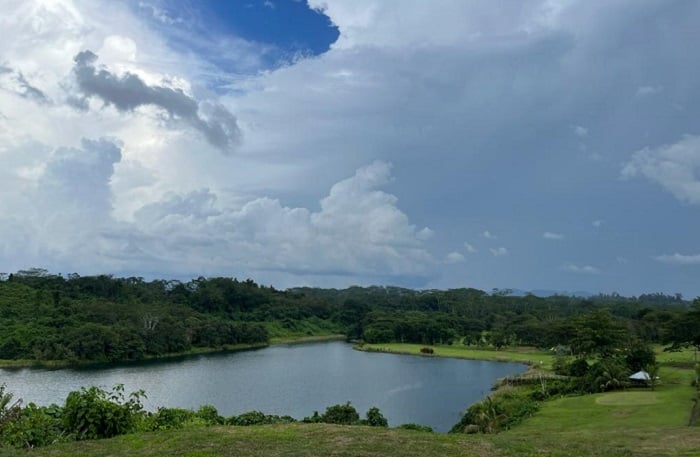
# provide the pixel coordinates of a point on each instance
(498, 252)
(583, 269)
(679, 259)
(580, 131)
(675, 167)
(454, 257)
(645, 91)
(399, 23)
(552, 236)
(488, 235)
(598, 223)
(358, 232)
(470, 249)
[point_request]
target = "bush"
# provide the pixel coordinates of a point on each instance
(9, 410)
(170, 418)
(209, 415)
(606, 374)
(427, 350)
(337, 414)
(375, 418)
(258, 418)
(499, 412)
(35, 426)
(416, 427)
(95, 413)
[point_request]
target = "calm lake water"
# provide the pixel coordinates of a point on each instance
(294, 379)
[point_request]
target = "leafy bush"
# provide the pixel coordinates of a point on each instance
(169, 418)
(341, 414)
(426, 350)
(92, 413)
(9, 411)
(374, 418)
(498, 412)
(209, 415)
(416, 427)
(258, 418)
(337, 414)
(35, 426)
(606, 374)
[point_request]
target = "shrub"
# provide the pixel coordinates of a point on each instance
(170, 418)
(415, 427)
(499, 412)
(427, 350)
(209, 415)
(258, 418)
(9, 410)
(606, 374)
(92, 413)
(374, 418)
(35, 426)
(341, 414)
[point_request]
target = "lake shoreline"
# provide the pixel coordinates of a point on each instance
(62, 364)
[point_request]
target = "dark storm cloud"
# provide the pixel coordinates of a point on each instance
(129, 91)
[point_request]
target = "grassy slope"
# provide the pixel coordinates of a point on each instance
(629, 423)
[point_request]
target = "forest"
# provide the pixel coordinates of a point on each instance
(104, 319)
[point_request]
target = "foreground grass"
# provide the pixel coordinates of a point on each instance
(275, 440)
(564, 428)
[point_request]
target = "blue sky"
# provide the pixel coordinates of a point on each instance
(542, 144)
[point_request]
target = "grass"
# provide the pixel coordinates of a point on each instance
(527, 355)
(626, 423)
(278, 440)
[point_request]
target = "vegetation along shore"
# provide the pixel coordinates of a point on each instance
(576, 399)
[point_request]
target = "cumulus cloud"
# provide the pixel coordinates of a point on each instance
(488, 235)
(454, 257)
(128, 92)
(498, 252)
(54, 213)
(675, 167)
(359, 232)
(470, 249)
(583, 269)
(552, 236)
(598, 223)
(679, 259)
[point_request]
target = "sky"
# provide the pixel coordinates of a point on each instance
(537, 144)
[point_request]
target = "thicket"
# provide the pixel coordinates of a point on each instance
(78, 319)
(95, 413)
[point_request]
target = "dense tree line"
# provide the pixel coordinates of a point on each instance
(47, 316)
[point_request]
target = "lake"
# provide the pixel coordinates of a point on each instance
(287, 379)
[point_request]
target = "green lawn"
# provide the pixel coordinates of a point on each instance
(626, 423)
(278, 440)
(528, 355)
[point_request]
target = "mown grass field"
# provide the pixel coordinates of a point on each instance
(631, 423)
(527, 355)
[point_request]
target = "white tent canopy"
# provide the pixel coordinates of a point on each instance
(641, 376)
